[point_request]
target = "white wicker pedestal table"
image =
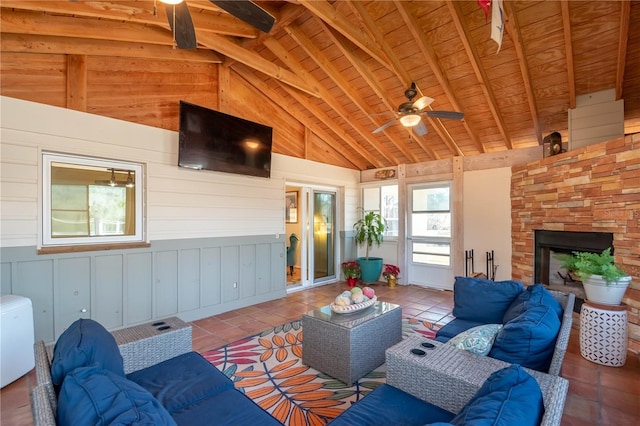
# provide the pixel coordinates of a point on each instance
(603, 333)
(348, 346)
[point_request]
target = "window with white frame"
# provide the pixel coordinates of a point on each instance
(89, 200)
(384, 200)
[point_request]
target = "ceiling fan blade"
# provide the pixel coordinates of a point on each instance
(184, 33)
(423, 102)
(248, 12)
(420, 129)
(452, 115)
(384, 126)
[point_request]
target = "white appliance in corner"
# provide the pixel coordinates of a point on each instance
(16, 338)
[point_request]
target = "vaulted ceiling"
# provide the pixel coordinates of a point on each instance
(341, 68)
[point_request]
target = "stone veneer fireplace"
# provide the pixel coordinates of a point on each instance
(593, 189)
(549, 244)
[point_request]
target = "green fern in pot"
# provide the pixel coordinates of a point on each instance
(603, 281)
(586, 264)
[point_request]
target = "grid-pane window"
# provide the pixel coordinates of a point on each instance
(431, 225)
(384, 200)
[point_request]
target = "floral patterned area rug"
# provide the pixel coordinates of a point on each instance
(268, 368)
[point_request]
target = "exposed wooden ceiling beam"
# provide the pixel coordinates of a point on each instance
(623, 40)
(364, 72)
(95, 29)
(328, 68)
(77, 46)
(571, 76)
(455, 10)
(277, 49)
(32, 23)
(513, 29)
(77, 82)
(325, 11)
(138, 12)
(337, 129)
(288, 14)
(362, 15)
(289, 107)
(424, 46)
(372, 29)
(234, 51)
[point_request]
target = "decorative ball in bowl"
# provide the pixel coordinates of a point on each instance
(354, 300)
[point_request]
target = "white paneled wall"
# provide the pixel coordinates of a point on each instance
(180, 203)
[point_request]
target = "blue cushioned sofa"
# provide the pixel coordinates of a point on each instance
(457, 388)
(141, 375)
(535, 322)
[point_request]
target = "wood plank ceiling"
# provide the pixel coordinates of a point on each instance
(340, 68)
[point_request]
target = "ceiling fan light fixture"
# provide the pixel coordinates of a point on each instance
(171, 1)
(410, 120)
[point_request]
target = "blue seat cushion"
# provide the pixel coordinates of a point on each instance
(483, 301)
(94, 396)
(227, 408)
(509, 396)
(529, 339)
(182, 381)
(85, 343)
(388, 405)
(455, 327)
(534, 295)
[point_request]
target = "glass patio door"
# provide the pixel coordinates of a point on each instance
(322, 236)
(315, 224)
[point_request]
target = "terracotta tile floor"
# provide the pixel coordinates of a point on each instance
(598, 395)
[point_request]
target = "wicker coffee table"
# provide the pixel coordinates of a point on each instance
(348, 346)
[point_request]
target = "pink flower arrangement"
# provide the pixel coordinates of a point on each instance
(390, 271)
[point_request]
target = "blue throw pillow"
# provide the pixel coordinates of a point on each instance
(535, 294)
(529, 339)
(93, 396)
(86, 342)
(484, 301)
(508, 397)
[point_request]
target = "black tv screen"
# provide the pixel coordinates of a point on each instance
(212, 140)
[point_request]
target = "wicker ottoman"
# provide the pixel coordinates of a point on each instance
(135, 342)
(348, 346)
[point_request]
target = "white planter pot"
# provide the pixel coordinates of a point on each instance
(599, 291)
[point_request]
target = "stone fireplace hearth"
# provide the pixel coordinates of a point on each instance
(593, 189)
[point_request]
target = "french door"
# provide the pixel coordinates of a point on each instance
(429, 236)
(322, 234)
(317, 228)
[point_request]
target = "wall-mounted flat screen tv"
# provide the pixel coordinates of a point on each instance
(212, 140)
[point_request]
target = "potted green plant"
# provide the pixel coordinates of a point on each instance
(351, 270)
(603, 281)
(369, 230)
(391, 273)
